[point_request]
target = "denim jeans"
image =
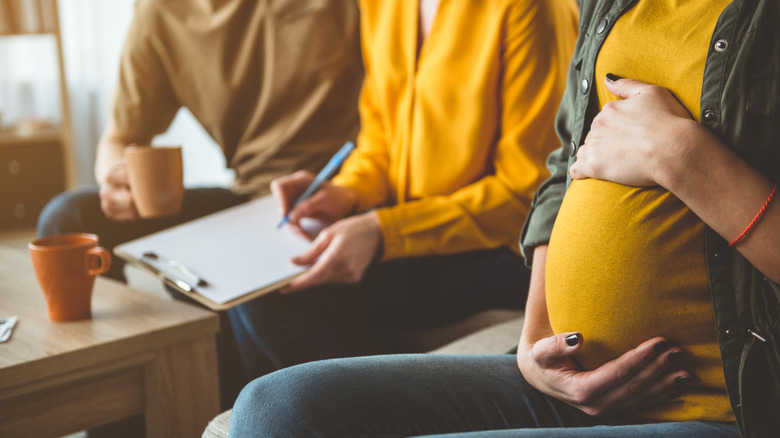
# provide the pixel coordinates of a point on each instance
(78, 211)
(413, 395)
(338, 320)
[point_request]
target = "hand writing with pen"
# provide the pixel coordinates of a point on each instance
(341, 252)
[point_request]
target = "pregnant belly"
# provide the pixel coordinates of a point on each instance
(624, 265)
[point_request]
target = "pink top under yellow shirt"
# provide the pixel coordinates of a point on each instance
(453, 142)
(626, 264)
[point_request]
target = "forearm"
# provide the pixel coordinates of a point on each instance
(725, 192)
(537, 323)
(482, 215)
(366, 169)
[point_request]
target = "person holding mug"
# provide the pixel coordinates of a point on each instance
(275, 84)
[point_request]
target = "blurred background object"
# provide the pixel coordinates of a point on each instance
(58, 68)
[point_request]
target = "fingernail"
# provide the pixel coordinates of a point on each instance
(572, 340)
(661, 346)
(674, 356)
(681, 379)
(612, 78)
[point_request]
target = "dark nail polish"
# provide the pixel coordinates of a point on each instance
(612, 78)
(572, 340)
(675, 356)
(661, 346)
(680, 379)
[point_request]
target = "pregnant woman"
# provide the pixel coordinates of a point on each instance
(654, 305)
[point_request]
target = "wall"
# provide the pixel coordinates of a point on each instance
(93, 32)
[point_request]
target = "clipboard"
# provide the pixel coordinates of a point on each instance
(222, 259)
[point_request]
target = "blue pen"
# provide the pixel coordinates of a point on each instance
(324, 174)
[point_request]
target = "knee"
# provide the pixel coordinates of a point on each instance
(65, 213)
(267, 407)
(288, 403)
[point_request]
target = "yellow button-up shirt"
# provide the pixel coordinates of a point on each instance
(454, 137)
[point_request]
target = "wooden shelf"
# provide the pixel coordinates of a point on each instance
(41, 18)
(21, 34)
(37, 161)
(28, 17)
(39, 136)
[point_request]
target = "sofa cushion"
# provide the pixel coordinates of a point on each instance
(218, 427)
(498, 338)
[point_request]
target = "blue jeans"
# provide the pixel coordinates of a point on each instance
(78, 211)
(413, 395)
(339, 320)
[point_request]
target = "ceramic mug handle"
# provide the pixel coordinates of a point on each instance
(102, 256)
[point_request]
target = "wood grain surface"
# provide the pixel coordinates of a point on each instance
(139, 353)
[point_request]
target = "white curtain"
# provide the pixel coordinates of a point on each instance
(93, 32)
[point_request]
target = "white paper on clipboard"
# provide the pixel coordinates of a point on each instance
(237, 251)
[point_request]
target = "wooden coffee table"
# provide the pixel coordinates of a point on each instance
(139, 354)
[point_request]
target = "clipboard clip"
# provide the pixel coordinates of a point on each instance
(167, 278)
(199, 281)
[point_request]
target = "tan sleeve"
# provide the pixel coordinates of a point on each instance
(144, 101)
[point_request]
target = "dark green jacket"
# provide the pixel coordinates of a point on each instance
(740, 104)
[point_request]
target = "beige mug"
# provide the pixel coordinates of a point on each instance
(156, 179)
(66, 266)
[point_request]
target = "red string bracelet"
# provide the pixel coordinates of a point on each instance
(755, 219)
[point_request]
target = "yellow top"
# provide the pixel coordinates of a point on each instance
(626, 264)
(453, 142)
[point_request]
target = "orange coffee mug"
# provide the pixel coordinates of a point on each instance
(156, 179)
(66, 266)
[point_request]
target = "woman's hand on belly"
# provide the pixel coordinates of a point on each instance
(646, 376)
(630, 140)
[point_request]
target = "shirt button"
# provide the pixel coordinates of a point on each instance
(709, 115)
(573, 149)
(728, 332)
(584, 86)
(721, 45)
(602, 26)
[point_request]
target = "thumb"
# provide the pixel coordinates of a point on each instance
(550, 350)
(623, 88)
(317, 247)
